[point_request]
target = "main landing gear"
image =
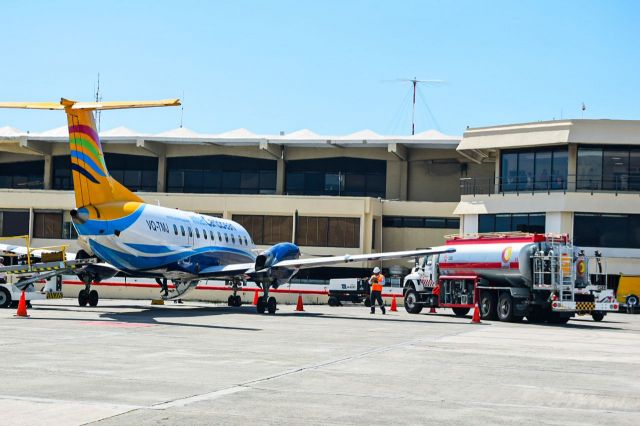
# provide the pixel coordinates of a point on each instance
(86, 295)
(234, 299)
(266, 303)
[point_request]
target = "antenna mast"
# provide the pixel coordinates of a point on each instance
(98, 99)
(414, 82)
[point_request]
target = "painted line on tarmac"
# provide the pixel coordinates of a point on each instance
(199, 398)
(126, 407)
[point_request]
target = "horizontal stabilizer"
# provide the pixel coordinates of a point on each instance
(32, 105)
(119, 104)
(66, 103)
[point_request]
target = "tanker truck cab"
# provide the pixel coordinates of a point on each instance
(510, 276)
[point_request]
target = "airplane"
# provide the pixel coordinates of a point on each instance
(144, 240)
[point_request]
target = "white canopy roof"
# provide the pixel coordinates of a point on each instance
(243, 137)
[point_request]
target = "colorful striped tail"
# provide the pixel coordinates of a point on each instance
(91, 181)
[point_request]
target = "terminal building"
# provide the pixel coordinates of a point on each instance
(357, 193)
(580, 177)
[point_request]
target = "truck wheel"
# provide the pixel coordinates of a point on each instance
(632, 301)
(505, 307)
(460, 312)
(367, 302)
(411, 302)
(5, 298)
(333, 301)
(597, 316)
(488, 306)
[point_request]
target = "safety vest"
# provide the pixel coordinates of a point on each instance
(379, 284)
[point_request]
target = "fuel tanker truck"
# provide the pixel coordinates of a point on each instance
(509, 276)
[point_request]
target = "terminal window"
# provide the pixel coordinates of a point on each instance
(265, 230)
(221, 174)
(14, 222)
(420, 222)
(340, 176)
(608, 168)
(521, 222)
(22, 175)
(328, 231)
(533, 170)
(606, 230)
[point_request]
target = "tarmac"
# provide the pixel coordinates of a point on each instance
(126, 362)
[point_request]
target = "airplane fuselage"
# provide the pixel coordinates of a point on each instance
(137, 237)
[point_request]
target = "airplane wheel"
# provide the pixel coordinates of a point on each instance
(231, 301)
(271, 305)
(261, 306)
(83, 298)
(238, 300)
(93, 298)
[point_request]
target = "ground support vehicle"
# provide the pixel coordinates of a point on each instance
(38, 280)
(510, 276)
(628, 293)
(354, 290)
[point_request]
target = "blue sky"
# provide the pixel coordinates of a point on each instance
(286, 65)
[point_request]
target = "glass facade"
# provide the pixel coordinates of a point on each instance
(22, 175)
(522, 222)
(14, 222)
(531, 170)
(221, 174)
(608, 168)
(606, 230)
(420, 222)
(340, 176)
(136, 172)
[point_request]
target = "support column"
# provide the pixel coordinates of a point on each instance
(572, 167)
(404, 180)
(48, 171)
(280, 174)
(162, 173)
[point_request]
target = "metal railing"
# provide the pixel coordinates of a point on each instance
(624, 183)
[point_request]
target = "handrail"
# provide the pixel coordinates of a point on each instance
(62, 248)
(625, 183)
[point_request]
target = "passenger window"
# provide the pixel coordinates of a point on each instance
(197, 233)
(211, 234)
(190, 233)
(204, 233)
(233, 239)
(219, 237)
(175, 229)
(245, 241)
(182, 229)
(226, 237)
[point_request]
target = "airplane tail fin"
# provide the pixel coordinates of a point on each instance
(92, 183)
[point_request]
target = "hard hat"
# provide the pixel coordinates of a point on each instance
(376, 270)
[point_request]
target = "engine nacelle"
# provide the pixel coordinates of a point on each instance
(273, 255)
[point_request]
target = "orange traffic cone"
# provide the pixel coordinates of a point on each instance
(476, 315)
(432, 310)
(255, 298)
(394, 305)
(22, 306)
(299, 307)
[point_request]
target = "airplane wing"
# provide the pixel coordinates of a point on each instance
(226, 270)
(322, 261)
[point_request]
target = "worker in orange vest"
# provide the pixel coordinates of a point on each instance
(376, 281)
